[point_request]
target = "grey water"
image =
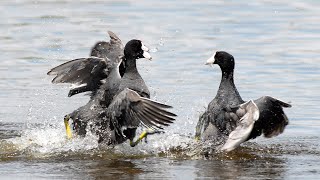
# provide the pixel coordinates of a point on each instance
(276, 49)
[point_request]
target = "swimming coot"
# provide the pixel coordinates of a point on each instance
(231, 119)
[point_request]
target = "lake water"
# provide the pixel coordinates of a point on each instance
(276, 48)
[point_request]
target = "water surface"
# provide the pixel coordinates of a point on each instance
(276, 48)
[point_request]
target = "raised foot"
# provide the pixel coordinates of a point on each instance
(144, 134)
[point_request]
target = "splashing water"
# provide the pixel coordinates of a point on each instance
(47, 140)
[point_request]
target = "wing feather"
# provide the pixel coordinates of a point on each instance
(241, 133)
(90, 71)
(79, 71)
(138, 110)
(273, 120)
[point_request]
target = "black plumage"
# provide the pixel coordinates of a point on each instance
(126, 113)
(118, 105)
(89, 72)
(230, 118)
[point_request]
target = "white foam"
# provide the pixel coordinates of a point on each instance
(51, 139)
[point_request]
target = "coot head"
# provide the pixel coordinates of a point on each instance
(136, 49)
(223, 59)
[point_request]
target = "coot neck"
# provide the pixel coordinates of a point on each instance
(131, 65)
(227, 83)
(227, 89)
(227, 76)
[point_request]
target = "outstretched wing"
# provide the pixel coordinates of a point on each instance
(78, 71)
(262, 116)
(112, 50)
(243, 130)
(83, 71)
(129, 109)
(88, 72)
(273, 120)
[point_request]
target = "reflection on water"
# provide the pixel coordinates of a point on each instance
(272, 168)
(275, 45)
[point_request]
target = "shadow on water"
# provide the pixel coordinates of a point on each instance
(97, 165)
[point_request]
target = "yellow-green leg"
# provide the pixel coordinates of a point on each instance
(199, 127)
(144, 134)
(197, 137)
(67, 126)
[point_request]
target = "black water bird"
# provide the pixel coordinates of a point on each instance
(118, 104)
(230, 120)
(88, 72)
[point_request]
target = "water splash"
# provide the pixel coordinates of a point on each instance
(161, 42)
(153, 50)
(44, 140)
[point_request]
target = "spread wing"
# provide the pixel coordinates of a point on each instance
(273, 120)
(78, 71)
(83, 71)
(112, 50)
(262, 116)
(129, 109)
(241, 133)
(88, 72)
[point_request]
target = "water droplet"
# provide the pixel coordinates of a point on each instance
(161, 42)
(153, 50)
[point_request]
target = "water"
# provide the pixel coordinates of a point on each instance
(275, 45)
